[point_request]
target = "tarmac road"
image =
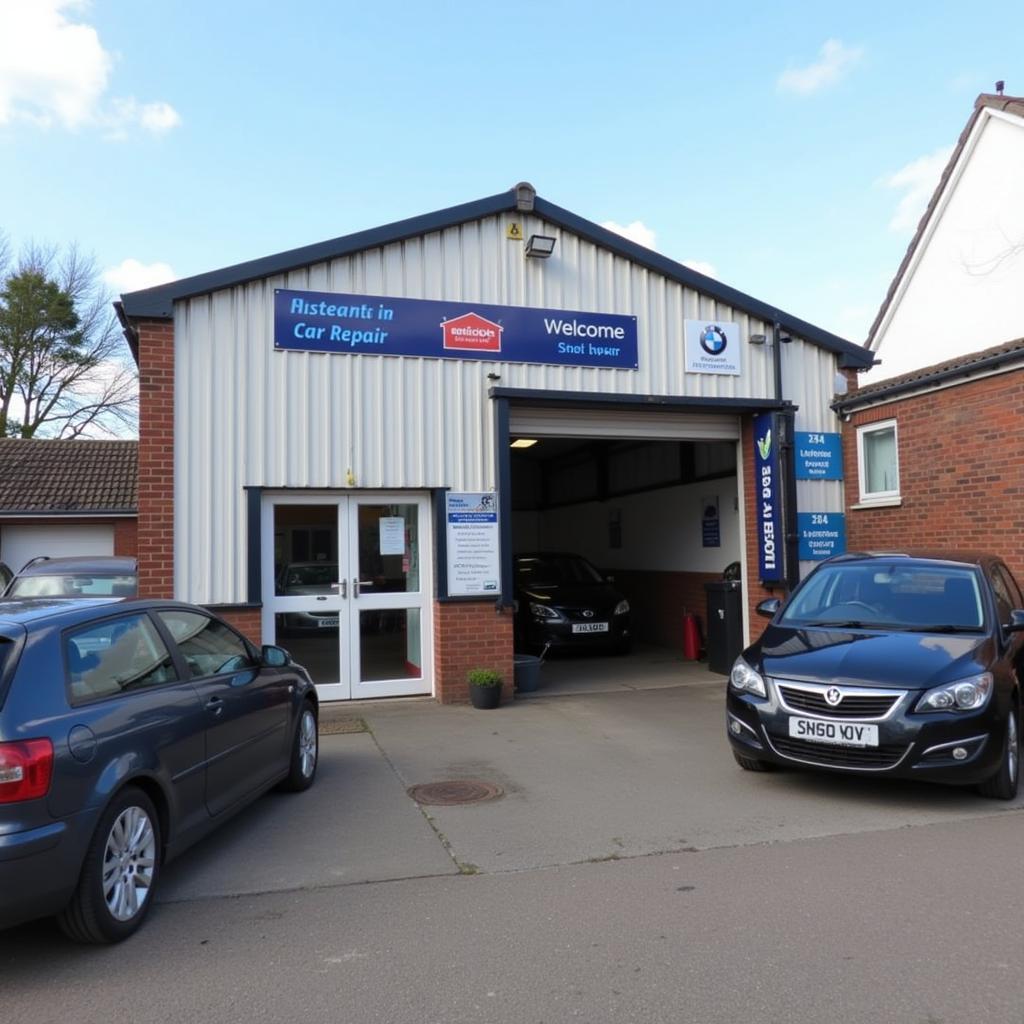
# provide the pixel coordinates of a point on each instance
(631, 873)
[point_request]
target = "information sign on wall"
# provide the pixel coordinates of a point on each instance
(822, 535)
(768, 488)
(471, 522)
(711, 531)
(819, 456)
(712, 346)
(379, 326)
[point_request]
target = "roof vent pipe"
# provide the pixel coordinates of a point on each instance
(525, 195)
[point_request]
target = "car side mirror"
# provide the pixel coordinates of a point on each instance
(768, 607)
(1016, 623)
(275, 657)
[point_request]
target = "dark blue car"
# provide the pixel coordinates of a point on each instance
(892, 665)
(129, 730)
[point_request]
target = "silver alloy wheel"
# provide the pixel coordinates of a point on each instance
(129, 863)
(307, 743)
(1012, 746)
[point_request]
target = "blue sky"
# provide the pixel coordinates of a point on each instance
(787, 147)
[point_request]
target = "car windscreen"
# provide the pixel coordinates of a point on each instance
(910, 596)
(57, 585)
(557, 570)
(321, 574)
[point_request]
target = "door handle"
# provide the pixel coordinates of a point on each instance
(215, 705)
(357, 583)
(344, 588)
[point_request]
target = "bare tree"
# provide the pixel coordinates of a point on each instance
(65, 370)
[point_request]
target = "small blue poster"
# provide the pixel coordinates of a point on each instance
(819, 456)
(711, 529)
(822, 535)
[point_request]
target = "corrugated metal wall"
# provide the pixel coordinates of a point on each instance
(247, 415)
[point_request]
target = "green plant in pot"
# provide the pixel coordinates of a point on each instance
(484, 687)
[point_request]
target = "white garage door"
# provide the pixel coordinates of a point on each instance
(19, 544)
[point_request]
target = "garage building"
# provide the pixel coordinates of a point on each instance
(343, 447)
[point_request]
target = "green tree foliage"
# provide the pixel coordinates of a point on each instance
(64, 366)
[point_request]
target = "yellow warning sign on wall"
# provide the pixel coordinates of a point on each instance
(515, 232)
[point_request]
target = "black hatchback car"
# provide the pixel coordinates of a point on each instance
(894, 665)
(564, 603)
(128, 730)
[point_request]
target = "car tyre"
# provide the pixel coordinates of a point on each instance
(305, 751)
(119, 874)
(1003, 785)
(751, 764)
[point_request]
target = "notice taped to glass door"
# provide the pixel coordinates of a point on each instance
(473, 544)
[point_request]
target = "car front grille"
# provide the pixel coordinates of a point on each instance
(877, 758)
(853, 705)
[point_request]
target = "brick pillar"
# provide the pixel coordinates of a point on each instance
(156, 458)
(470, 635)
(756, 592)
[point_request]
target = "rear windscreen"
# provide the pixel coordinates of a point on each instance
(73, 586)
(8, 655)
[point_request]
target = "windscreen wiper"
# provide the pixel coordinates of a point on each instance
(843, 623)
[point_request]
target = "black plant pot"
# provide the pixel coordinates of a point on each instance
(485, 696)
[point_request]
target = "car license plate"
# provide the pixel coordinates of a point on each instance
(590, 627)
(841, 734)
(323, 623)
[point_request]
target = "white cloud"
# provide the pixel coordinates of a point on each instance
(637, 232)
(56, 71)
(834, 61)
(917, 181)
(131, 275)
(702, 267)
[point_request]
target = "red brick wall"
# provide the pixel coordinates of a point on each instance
(126, 537)
(156, 458)
(658, 601)
(751, 571)
(470, 635)
(961, 472)
(245, 620)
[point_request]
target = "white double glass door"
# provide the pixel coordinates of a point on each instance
(347, 590)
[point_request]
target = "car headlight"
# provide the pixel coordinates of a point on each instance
(964, 695)
(745, 679)
(545, 612)
(621, 608)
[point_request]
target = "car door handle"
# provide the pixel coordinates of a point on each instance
(216, 705)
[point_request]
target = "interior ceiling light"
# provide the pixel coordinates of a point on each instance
(524, 442)
(540, 247)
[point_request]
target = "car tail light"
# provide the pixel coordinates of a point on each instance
(26, 768)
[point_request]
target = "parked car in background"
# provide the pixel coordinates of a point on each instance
(129, 730)
(564, 603)
(81, 576)
(892, 665)
(309, 579)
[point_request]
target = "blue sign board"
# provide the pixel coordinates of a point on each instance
(768, 489)
(818, 456)
(375, 325)
(822, 535)
(711, 532)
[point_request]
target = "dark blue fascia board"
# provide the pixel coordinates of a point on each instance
(610, 400)
(158, 302)
(851, 356)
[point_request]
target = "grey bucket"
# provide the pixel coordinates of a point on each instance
(526, 672)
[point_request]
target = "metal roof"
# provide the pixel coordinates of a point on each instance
(158, 302)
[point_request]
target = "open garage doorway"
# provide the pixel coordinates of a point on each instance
(614, 541)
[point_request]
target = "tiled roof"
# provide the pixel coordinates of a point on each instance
(986, 101)
(960, 366)
(46, 476)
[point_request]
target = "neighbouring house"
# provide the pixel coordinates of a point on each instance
(933, 457)
(960, 287)
(67, 498)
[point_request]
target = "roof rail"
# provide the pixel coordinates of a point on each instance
(32, 561)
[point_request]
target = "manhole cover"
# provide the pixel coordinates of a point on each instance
(456, 791)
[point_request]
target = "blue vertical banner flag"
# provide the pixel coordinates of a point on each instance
(768, 489)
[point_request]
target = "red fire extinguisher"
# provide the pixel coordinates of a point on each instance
(691, 636)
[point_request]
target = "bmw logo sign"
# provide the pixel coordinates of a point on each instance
(713, 340)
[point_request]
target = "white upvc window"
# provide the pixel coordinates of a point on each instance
(878, 458)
